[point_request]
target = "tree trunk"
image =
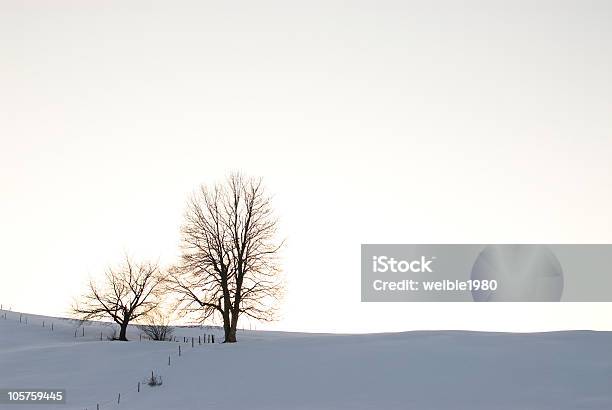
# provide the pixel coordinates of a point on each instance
(230, 334)
(122, 332)
(233, 326)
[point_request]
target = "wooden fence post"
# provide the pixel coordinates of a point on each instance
(179, 350)
(138, 387)
(119, 398)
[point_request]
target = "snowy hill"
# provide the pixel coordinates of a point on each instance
(276, 370)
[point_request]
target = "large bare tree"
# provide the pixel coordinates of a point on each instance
(229, 264)
(128, 293)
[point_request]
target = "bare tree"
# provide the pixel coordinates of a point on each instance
(229, 263)
(127, 294)
(157, 325)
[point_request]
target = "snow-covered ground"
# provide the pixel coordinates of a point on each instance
(276, 370)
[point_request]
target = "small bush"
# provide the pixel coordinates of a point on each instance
(154, 380)
(114, 335)
(157, 326)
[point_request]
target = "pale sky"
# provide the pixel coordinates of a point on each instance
(370, 122)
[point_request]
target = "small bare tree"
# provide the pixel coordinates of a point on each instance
(229, 264)
(157, 325)
(128, 293)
